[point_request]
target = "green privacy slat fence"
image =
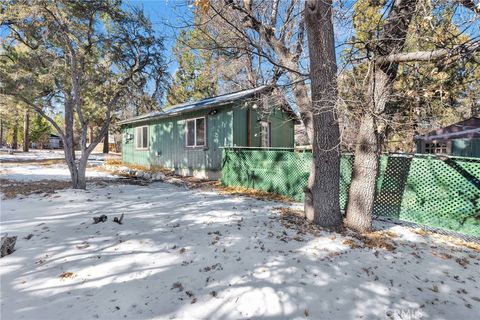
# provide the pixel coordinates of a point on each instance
(434, 191)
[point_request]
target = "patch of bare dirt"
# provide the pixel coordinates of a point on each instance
(252, 193)
(67, 275)
(39, 162)
(197, 183)
(295, 219)
(12, 189)
(448, 239)
(375, 239)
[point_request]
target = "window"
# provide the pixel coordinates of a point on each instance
(440, 147)
(265, 129)
(141, 137)
(196, 133)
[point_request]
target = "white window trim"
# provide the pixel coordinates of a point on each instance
(137, 129)
(195, 146)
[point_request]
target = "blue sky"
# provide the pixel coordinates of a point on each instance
(169, 15)
(166, 15)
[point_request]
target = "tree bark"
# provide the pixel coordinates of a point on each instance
(361, 195)
(15, 135)
(322, 194)
(26, 123)
(69, 145)
(91, 134)
(105, 143)
(1, 132)
(81, 176)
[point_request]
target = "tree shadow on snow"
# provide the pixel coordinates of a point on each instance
(192, 254)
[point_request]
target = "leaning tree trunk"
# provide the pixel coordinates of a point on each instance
(26, 123)
(322, 194)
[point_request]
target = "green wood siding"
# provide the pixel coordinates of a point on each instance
(240, 127)
(466, 147)
(228, 127)
(282, 129)
(129, 153)
(167, 142)
(460, 147)
(282, 134)
(255, 127)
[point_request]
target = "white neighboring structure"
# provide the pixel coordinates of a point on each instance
(54, 142)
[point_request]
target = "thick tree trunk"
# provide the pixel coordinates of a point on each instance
(82, 167)
(77, 169)
(15, 135)
(26, 123)
(69, 146)
(105, 143)
(322, 194)
(361, 195)
(92, 135)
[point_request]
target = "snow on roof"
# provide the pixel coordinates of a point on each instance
(217, 101)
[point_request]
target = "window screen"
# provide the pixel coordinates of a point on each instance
(138, 138)
(200, 131)
(265, 134)
(196, 134)
(191, 133)
(141, 137)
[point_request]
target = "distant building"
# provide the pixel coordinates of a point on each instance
(55, 142)
(459, 139)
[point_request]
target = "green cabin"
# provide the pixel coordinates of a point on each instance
(459, 139)
(189, 138)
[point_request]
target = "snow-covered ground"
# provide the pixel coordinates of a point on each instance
(5, 155)
(192, 254)
(36, 155)
(36, 172)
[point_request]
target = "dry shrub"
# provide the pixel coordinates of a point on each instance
(114, 162)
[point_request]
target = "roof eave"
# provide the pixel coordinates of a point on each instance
(173, 114)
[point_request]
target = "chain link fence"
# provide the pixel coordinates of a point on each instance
(441, 192)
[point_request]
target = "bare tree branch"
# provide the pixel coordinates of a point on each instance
(454, 53)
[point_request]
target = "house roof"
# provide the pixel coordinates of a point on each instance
(217, 101)
(466, 129)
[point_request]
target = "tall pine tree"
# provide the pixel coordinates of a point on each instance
(196, 77)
